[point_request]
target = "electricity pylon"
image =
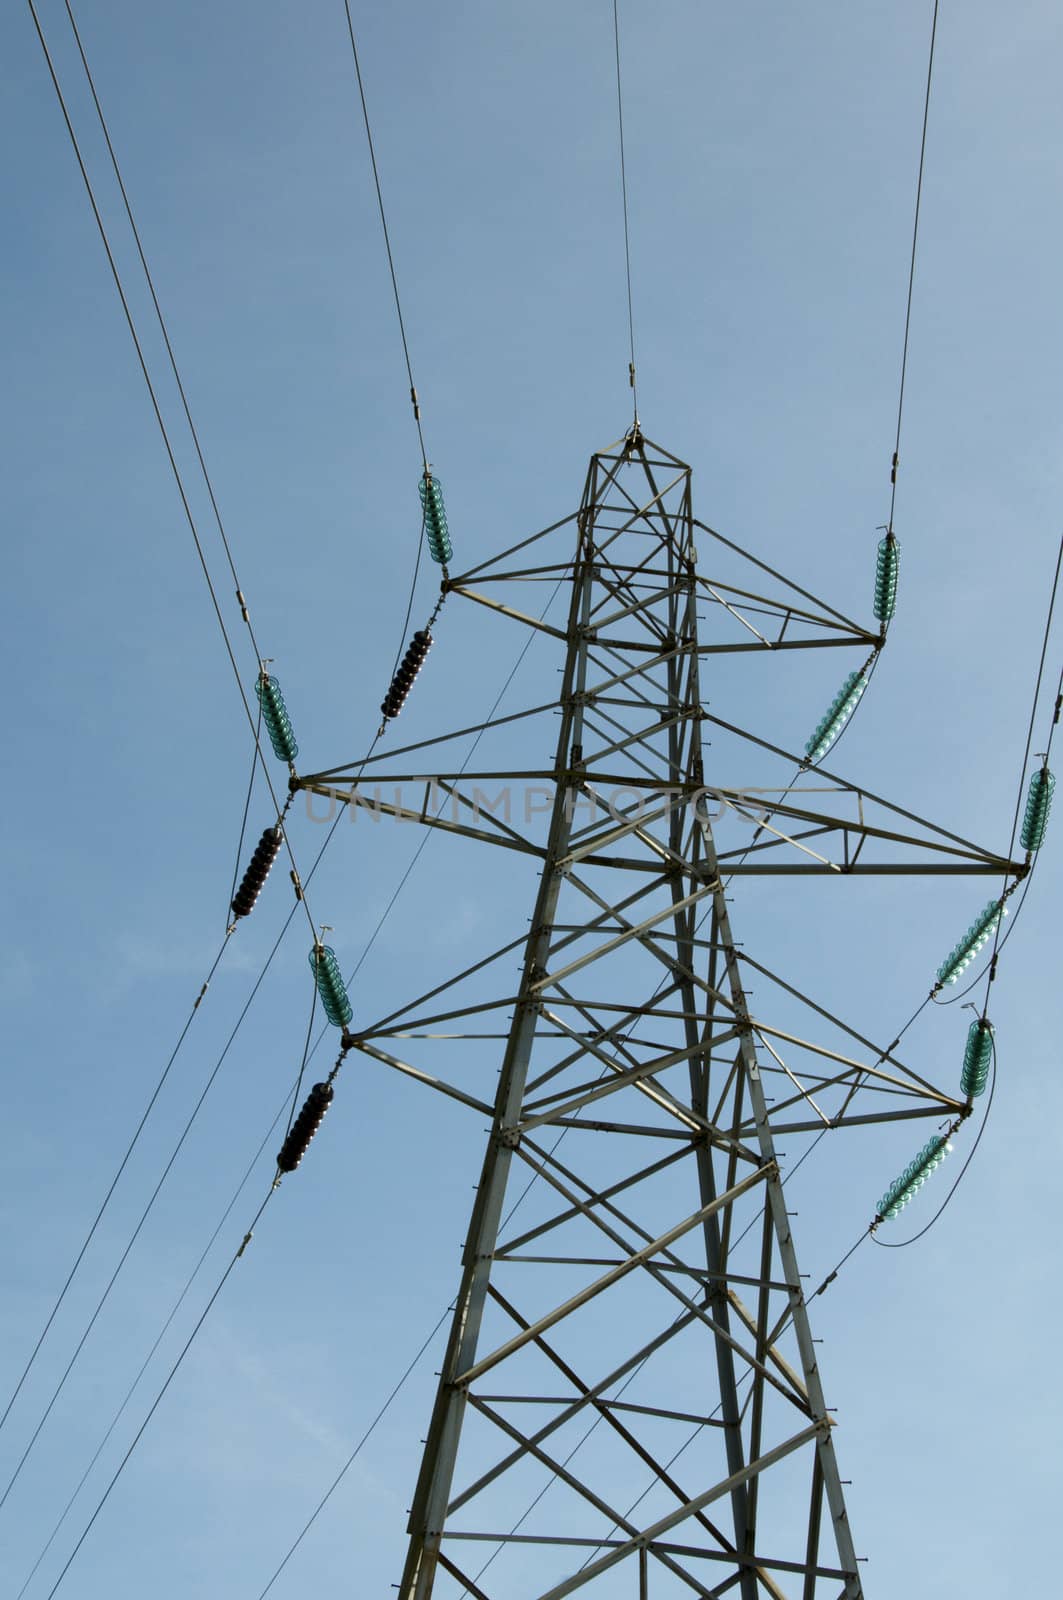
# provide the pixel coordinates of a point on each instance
(636, 1338)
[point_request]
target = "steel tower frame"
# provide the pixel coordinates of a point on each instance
(660, 1261)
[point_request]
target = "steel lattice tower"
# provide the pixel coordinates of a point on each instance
(649, 1284)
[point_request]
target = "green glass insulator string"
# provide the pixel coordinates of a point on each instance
(837, 715)
(330, 985)
(275, 716)
(904, 1189)
(1038, 805)
(973, 941)
(435, 519)
(977, 1058)
(887, 566)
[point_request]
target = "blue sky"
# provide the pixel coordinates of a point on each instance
(771, 165)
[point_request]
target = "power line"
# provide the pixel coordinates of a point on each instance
(414, 401)
(162, 426)
(290, 1098)
(240, 597)
(911, 269)
(169, 347)
(158, 1340)
(327, 1496)
(192, 1118)
(155, 1193)
(146, 1212)
(409, 602)
(132, 1144)
(163, 328)
(627, 231)
(113, 1185)
(302, 1065)
(173, 1156)
(158, 1398)
(254, 723)
(307, 1056)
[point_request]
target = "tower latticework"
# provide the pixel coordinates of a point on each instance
(630, 1402)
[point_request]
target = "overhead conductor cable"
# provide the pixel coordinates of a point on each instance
(895, 462)
(249, 885)
(434, 529)
(627, 231)
(188, 514)
(887, 558)
(142, 361)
